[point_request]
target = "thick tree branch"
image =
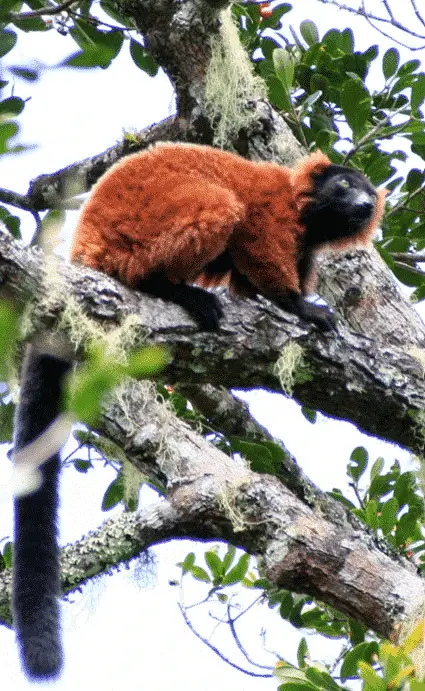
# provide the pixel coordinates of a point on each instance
(369, 300)
(231, 416)
(56, 190)
(345, 375)
(318, 549)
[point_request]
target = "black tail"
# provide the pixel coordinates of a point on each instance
(36, 577)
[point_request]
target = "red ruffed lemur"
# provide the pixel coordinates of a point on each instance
(171, 222)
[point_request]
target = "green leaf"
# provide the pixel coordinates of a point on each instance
(110, 9)
(87, 396)
(414, 180)
(278, 95)
(376, 468)
(404, 488)
(418, 294)
(9, 6)
(215, 564)
(372, 682)
(408, 276)
(143, 59)
(9, 330)
(82, 466)
(371, 514)
(200, 574)
(260, 457)
(415, 685)
(418, 91)
(381, 485)
(238, 572)
(322, 679)
(99, 48)
(357, 632)
(409, 67)
(331, 41)
(358, 463)
(414, 639)
(371, 53)
(7, 554)
(268, 46)
(7, 413)
(147, 361)
(7, 131)
(228, 558)
(302, 652)
(362, 651)
(12, 106)
(347, 41)
(390, 62)
(291, 675)
(309, 414)
(286, 605)
(188, 562)
(114, 494)
(12, 223)
(388, 516)
(337, 494)
(30, 75)
(31, 24)
(356, 104)
(309, 32)
(297, 686)
(406, 528)
(284, 67)
(7, 41)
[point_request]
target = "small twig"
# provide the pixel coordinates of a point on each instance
(99, 22)
(403, 202)
(216, 650)
(43, 11)
(409, 257)
(371, 134)
(412, 269)
(392, 38)
(417, 13)
(357, 494)
(370, 17)
(250, 606)
(388, 8)
(238, 642)
(203, 601)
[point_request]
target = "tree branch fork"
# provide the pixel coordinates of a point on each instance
(316, 546)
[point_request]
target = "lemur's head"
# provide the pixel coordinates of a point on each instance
(339, 205)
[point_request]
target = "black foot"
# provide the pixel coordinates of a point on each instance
(203, 306)
(321, 316)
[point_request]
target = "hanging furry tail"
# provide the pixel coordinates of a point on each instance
(36, 573)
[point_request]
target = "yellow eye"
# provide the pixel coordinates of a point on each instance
(344, 184)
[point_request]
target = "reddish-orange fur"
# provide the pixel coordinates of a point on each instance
(176, 207)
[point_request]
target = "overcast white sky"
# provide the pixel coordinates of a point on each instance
(115, 632)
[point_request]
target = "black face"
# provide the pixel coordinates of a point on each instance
(342, 203)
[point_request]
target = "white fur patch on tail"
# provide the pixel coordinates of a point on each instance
(27, 477)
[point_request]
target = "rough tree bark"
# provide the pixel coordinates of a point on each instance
(306, 541)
